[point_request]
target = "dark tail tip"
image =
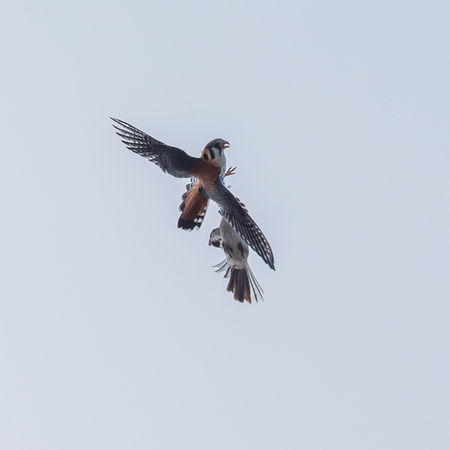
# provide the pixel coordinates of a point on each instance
(186, 224)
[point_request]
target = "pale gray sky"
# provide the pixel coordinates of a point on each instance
(115, 332)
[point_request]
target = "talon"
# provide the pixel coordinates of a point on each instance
(230, 171)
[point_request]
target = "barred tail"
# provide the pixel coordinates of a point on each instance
(193, 208)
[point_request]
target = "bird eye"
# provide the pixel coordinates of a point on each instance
(205, 156)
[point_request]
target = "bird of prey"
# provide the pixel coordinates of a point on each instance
(208, 172)
(242, 281)
(194, 205)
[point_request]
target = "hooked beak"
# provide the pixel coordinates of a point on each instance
(226, 144)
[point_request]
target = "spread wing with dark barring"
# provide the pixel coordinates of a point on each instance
(172, 160)
(238, 217)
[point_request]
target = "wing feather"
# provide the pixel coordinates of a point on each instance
(172, 160)
(238, 217)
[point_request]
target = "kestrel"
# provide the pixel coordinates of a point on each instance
(194, 205)
(208, 172)
(242, 281)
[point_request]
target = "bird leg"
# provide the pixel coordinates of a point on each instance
(230, 171)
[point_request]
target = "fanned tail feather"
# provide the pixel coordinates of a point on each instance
(242, 283)
(193, 207)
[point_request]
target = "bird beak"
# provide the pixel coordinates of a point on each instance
(226, 144)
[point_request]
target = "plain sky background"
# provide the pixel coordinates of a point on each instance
(115, 332)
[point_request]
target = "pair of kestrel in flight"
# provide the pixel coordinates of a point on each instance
(237, 230)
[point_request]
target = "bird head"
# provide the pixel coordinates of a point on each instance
(215, 150)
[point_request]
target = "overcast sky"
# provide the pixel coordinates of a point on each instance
(115, 332)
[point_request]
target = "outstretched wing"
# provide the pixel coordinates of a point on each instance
(172, 160)
(238, 217)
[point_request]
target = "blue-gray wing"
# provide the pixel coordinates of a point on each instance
(238, 217)
(172, 160)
